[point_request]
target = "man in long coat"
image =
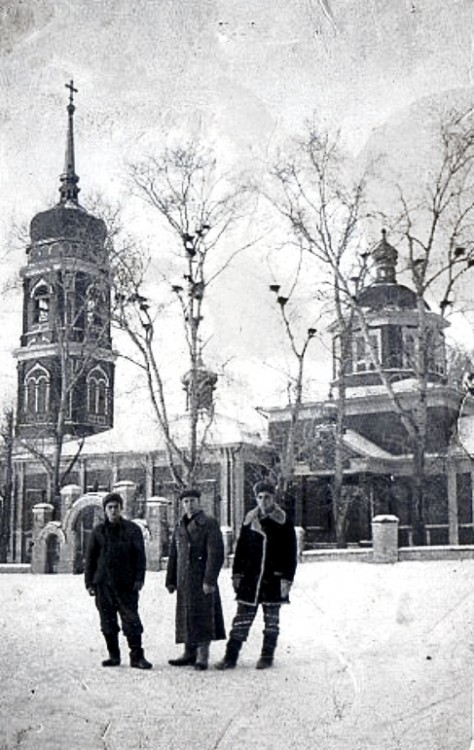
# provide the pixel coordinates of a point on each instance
(195, 559)
(262, 573)
(114, 574)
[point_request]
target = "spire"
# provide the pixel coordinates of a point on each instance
(385, 259)
(69, 179)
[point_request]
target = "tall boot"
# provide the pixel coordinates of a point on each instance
(268, 650)
(112, 641)
(202, 656)
(137, 657)
(187, 658)
(231, 655)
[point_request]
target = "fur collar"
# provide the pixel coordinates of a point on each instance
(253, 518)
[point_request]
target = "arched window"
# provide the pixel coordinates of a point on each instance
(37, 390)
(95, 307)
(97, 392)
(41, 297)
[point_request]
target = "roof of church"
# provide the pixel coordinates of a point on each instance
(380, 296)
(145, 436)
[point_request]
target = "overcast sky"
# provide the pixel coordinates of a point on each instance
(244, 75)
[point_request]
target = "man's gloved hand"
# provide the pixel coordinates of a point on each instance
(236, 582)
(137, 586)
(91, 590)
(171, 589)
(285, 588)
(208, 589)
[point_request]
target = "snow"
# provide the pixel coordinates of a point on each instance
(371, 657)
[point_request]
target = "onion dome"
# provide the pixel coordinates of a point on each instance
(385, 292)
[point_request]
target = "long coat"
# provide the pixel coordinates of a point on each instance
(116, 556)
(265, 555)
(196, 557)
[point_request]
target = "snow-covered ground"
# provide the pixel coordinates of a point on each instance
(370, 658)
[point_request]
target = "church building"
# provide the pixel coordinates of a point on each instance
(377, 449)
(65, 406)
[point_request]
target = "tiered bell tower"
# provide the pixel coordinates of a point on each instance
(65, 360)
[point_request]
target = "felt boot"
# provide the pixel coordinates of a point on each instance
(113, 648)
(137, 657)
(268, 650)
(202, 657)
(231, 655)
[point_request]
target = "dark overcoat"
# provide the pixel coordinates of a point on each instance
(196, 556)
(116, 556)
(265, 555)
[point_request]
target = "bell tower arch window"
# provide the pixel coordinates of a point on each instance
(95, 306)
(37, 390)
(41, 299)
(97, 392)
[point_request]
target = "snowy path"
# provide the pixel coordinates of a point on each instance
(370, 658)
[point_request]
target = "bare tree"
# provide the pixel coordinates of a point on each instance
(6, 463)
(198, 210)
(293, 438)
(323, 206)
(434, 222)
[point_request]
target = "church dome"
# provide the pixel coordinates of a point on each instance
(67, 229)
(69, 222)
(379, 296)
(385, 293)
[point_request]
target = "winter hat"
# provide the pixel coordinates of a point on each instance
(264, 486)
(190, 493)
(112, 497)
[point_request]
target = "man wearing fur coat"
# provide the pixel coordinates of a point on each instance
(195, 560)
(262, 573)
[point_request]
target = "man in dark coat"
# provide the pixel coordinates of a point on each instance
(114, 574)
(194, 563)
(262, 573)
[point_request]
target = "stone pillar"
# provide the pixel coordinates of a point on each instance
(453, 522)
(19, 505)
(69, 494)
(227, 538)
(82, 475)
(149, 475)
(300, 535)
(157, 522)
(42, 514)
(385, 539)
(127, 491)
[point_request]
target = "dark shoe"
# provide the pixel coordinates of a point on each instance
(183, 661)
(139, 662)
(200, 666)
(188, 658)
(112, 661)
(225, 664)
(265, 662)
(232, 651)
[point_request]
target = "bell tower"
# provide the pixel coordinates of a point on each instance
(65, 360)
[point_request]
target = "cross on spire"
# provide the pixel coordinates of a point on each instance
(69, 189)
(72, 90)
